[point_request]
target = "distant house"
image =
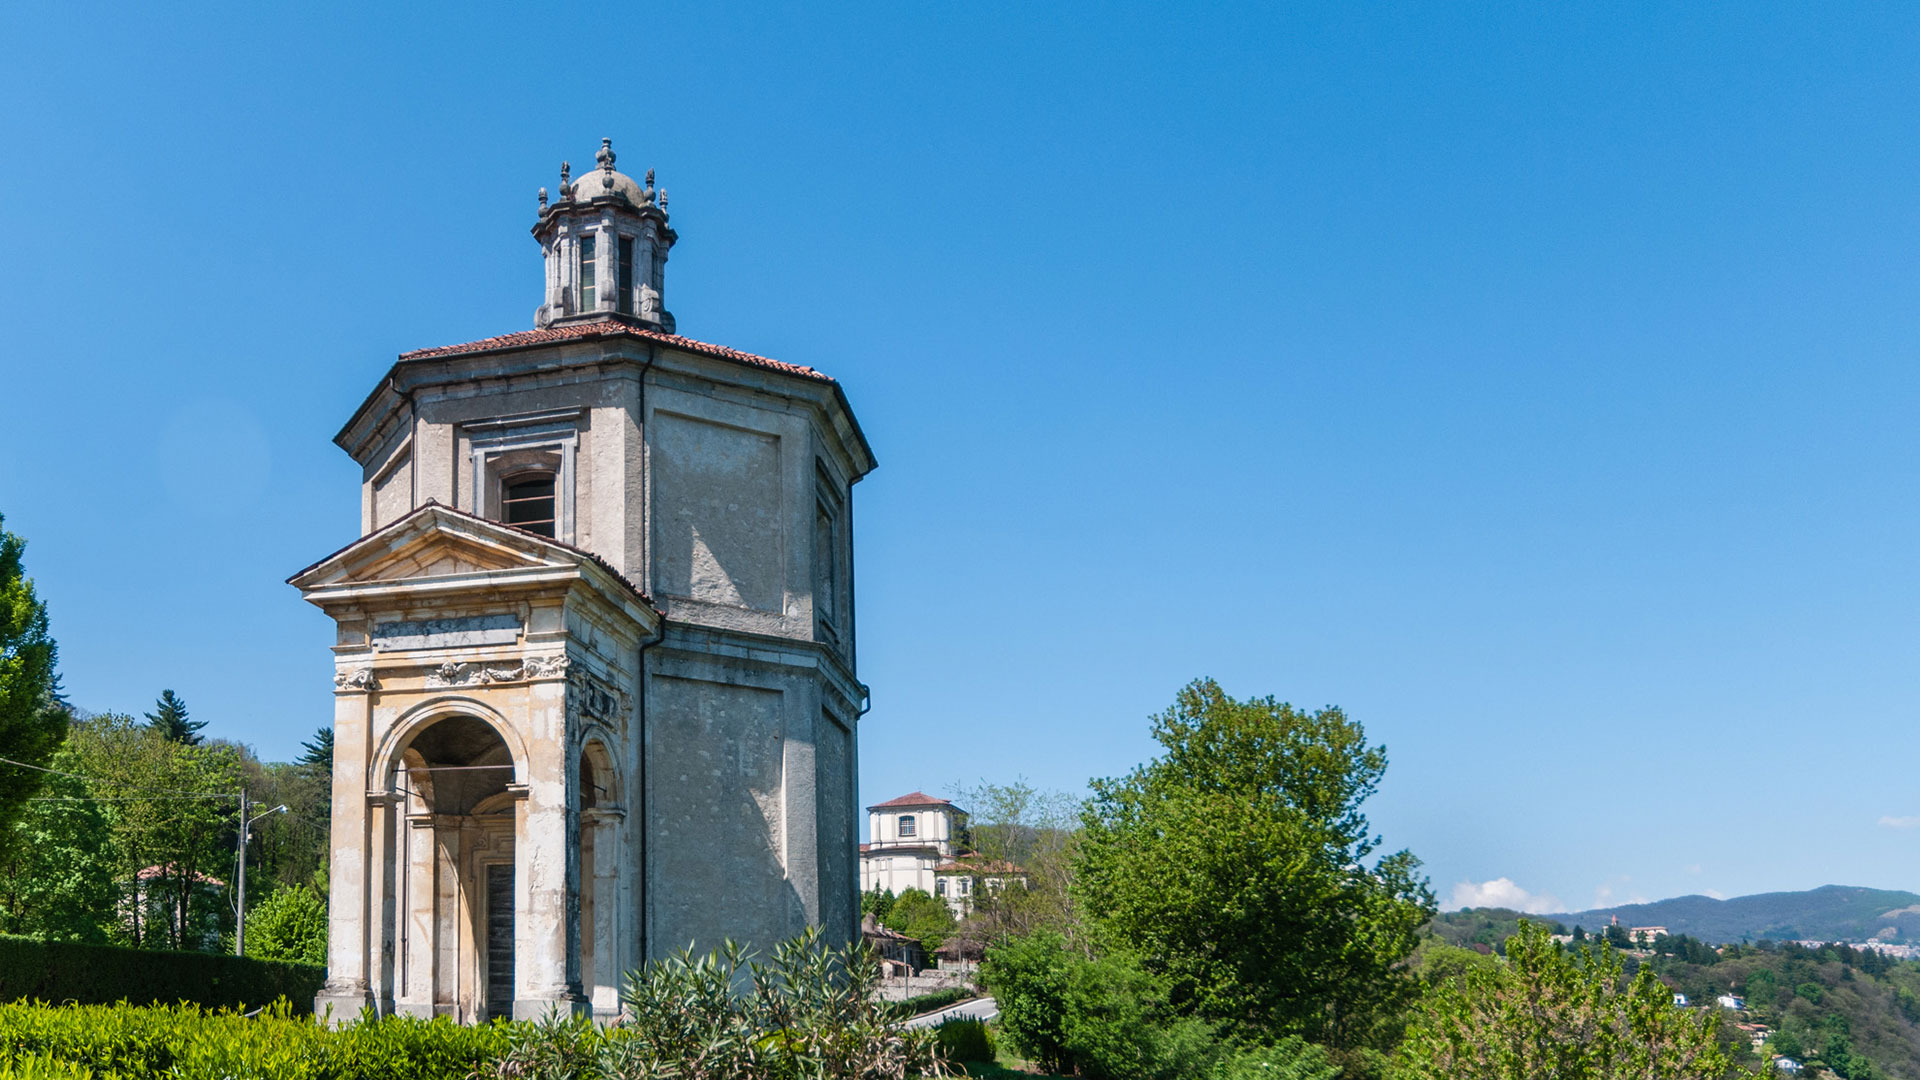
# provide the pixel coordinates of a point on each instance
(1647, 935)
(1786, 1065)
(1680, 1001)
(151, 906)
(899, 954)
(958, 881)
(1731, 1001)
(910, 837)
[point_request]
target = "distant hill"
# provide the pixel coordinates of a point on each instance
(1828, 913)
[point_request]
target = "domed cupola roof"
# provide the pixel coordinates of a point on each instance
(605, 239)
(604, 182)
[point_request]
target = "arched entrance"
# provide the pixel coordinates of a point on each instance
(453, 895)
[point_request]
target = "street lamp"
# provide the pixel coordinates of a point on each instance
(240, 880)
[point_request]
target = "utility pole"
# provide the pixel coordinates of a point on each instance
(240, 878)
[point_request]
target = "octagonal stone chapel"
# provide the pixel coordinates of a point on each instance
(594, 687)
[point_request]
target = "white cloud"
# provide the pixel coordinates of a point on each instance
(1891, 822)
(1716, 894)
(1503, 893)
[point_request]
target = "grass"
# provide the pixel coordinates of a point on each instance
(1010, 1066)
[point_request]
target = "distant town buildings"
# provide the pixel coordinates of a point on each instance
(920, 842)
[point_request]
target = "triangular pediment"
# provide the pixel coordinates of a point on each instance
(435, 542)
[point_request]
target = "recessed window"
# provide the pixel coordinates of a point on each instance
(526, 502)
(624, 275)
(906, 825)
(587, 299)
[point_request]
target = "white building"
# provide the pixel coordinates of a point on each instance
(910, 837)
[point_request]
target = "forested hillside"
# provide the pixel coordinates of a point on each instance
(1852, 1012)
(1828, 913)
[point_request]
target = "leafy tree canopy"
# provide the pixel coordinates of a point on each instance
(289, 925)
(33, 721)
(1238, 864)
(918, 914)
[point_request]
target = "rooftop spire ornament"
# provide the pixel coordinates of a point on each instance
(566, 172)
(543, 198)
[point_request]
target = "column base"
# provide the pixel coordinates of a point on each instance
(426, 1010)
(341, 1005)
(540, 1008)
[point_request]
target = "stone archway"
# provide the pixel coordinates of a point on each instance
(452, 892)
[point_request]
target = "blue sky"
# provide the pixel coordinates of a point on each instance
(1535, 382)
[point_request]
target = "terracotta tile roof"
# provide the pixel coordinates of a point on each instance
(917, 798)
(611, 328)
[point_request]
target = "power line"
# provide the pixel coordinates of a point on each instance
(120, 783)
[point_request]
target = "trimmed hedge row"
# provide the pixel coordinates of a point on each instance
(183, 1042)
(65, 971)
(926, 1003)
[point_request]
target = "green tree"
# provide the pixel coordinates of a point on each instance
(917, 914)
(1017, 827)
(56, 878)
(171, 809)
(169, 718)
(877, 902)
(1238, 864)
(289, 925)
(1548, 1012)
(33, 720)
(317, 753)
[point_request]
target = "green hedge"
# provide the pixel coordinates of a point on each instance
(926, 1003)
(183, 1042)
(64, 971)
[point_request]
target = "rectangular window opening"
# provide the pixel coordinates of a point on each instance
(624, 299)
(527, 502)
(906, 824)
(588, 300)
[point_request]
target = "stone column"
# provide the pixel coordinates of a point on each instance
(608, 957)
(417, 965)
(350, 901)
(546, 854)
(383, 818)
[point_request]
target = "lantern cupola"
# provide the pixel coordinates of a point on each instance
(605, 240)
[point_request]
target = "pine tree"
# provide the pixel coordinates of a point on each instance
(33, 722)
(319, 752)
(169, 718)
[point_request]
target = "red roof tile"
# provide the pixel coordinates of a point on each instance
(918, 798)
(611, 328)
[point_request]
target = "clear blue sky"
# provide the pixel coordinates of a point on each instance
(1537, 382)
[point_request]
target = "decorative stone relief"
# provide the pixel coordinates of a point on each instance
(546, 667)
(452, 674)
(360, 678)
(593, 698)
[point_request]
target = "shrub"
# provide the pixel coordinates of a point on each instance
(66, 971)
(926, 1003)
(965, 1039)
(1292, 1058)
(807, 1012)
(290, 925)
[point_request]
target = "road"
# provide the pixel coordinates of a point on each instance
(977, 1009)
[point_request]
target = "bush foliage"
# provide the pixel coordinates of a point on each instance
(66, 971)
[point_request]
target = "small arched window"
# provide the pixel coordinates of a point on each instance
(526, 502)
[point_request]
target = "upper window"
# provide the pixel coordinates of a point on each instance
(526, 502)
(624, 276)
(906, 825)
(587, 297)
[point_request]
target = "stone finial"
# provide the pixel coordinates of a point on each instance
(543, 198)
(605, 154)
(566, 174)
(663, 198)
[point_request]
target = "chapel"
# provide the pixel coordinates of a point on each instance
(594, 686)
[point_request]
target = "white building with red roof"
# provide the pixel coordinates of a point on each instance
(908, 839)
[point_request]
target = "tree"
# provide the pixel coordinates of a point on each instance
(289, 925)
(33, 720)
(877, 902)
(317, 752)
(169, 718)
(1033, 830)
(171, 809)
(56, 880)
(1567, 1015)
(1237, 865)
(919, 915)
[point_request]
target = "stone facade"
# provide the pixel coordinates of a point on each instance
(625, 723)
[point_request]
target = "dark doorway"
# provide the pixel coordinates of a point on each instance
(500, 940)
